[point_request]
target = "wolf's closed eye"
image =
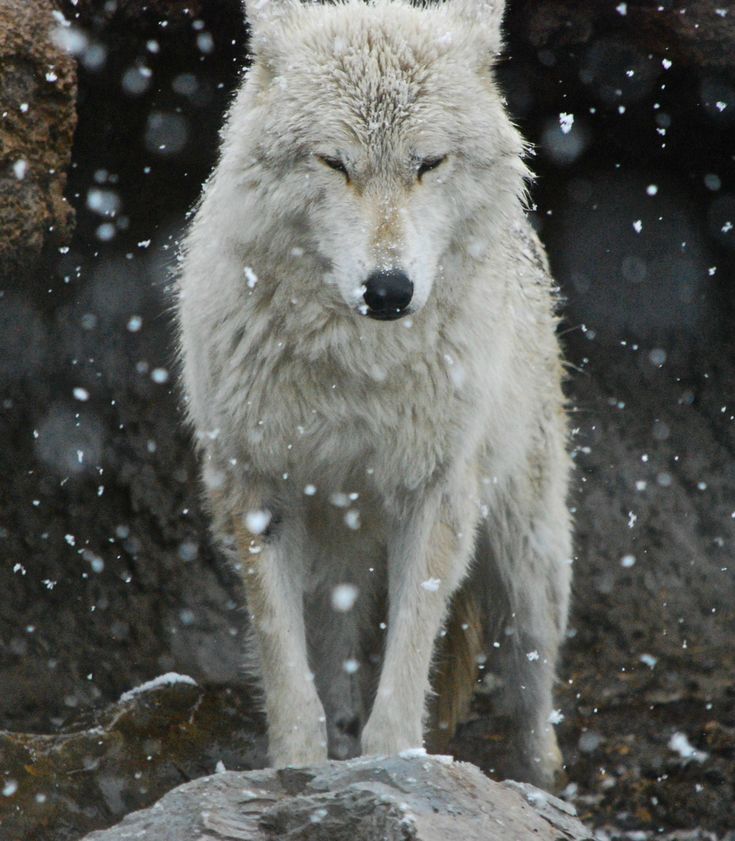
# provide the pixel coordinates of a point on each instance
(427, 164)
(335, 164)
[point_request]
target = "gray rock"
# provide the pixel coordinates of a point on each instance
(399, 798)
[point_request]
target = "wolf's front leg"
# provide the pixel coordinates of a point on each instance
(273, 571)
(426, 562)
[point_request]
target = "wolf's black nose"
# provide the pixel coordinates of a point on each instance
(387, 294)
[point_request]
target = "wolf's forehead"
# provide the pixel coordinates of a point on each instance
(378, 78)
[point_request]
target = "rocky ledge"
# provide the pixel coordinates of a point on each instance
(411, 797)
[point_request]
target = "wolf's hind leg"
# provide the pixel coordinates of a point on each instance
(273, 572)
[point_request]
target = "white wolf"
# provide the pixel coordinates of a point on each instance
(368, 338)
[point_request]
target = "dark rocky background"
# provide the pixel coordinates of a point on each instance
(108, 126)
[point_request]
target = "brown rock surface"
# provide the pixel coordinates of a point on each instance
(37, 121)
(56, 787)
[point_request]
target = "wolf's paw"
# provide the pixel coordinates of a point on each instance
(383, 736)
(301, 743)
(285, 755)
(542, 764)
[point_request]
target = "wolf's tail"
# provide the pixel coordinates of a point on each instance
(455, 675)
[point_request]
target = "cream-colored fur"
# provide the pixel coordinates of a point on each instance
(396, 456)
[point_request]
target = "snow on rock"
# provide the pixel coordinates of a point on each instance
(162, 680)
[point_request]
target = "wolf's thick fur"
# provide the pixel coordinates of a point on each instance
(407, 458)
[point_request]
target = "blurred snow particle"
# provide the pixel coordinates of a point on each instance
(81, 394)
(219, 768)
(257, 521)
(622, 8)
(318, 815)
(105, 232)
(186, 616)
(205, 43)
(712, 182)
(532, 656)
(62, 436)
(20, 168)
(589, 741)
(70, 39)
(627, 561)
(310, 490)
(431, 585)
(555, 717)
(250, 277)
(563, 144)
(10, 787)
(94, 57)
(657, 356)
(351, 666)
(352, 519)
(159, 375)
(666, 63)
(135, 322)
(651, 189)
(188, 550)
(103, 202)
(344, 597)
(680, 744)
(638, 226)
(166, 133)
(136, 80)
(661, 430)
(648, 660)
(566, 121)
(185, 84)
(93, 560)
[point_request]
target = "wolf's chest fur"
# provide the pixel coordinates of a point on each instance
(328, 425)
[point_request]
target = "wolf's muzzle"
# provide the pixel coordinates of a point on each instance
(388, 294)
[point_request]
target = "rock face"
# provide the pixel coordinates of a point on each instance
(37, 107)
(411, 798)
(58, 786)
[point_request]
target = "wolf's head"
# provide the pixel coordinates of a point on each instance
(376, 135)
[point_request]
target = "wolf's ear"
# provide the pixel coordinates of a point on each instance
(265, 20)
(484, 16)
(264, 13)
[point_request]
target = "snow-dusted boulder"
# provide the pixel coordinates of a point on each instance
(412, 797)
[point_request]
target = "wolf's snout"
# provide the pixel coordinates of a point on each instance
(387, 294)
